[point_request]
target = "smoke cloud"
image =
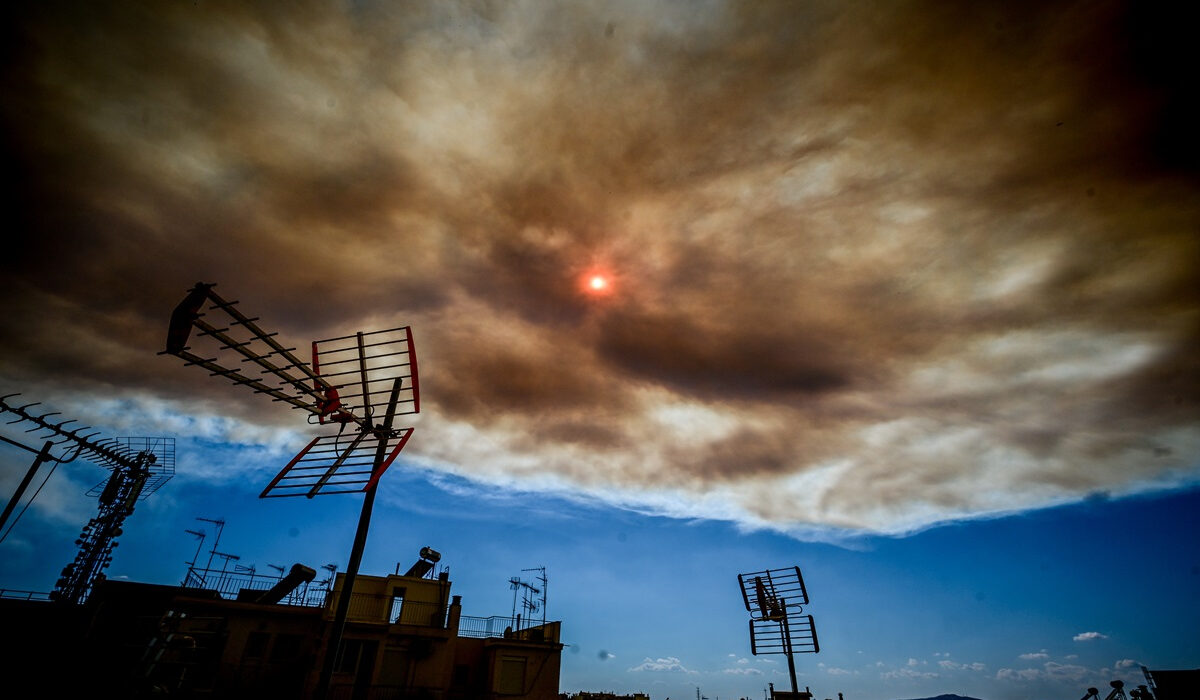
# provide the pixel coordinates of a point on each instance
(873, 267)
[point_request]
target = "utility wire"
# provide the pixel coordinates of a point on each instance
(30, 502)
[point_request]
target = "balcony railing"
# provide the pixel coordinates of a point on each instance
(10, 594)
(501, 627)
(377, 607)
(370, 607)
(228, 584)
(483, 627)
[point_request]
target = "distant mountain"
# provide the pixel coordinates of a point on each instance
(948, 696)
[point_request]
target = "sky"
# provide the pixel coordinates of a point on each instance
(905, 294)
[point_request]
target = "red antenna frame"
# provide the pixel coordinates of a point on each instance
(384, 364)
(350, 381)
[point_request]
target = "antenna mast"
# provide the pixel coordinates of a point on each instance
(774, 599)
(352, 381)
(219, 523)
(545, 584)
(139, 467)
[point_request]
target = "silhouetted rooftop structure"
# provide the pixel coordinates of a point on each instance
(405, 636)
(1173, 685)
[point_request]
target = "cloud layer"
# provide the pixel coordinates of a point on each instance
(872, 267)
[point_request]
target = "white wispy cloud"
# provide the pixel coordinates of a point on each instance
(955, 666)
(906, 674)
(1089, 636)
(666, 664)
(1024, 674)
(1050, 671)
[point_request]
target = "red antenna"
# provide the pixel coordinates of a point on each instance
(352, 380)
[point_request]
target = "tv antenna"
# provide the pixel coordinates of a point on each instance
(527, 603)
(775, 599)
(328, 581)
(246, 569)
(200, 535)
(545, 584)
(219, 524)
(226, 558)
(351, 382)
(139, 466)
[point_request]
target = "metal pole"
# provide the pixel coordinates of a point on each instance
(356, 552)
(37, 464)
(787, 641)
(220, 523)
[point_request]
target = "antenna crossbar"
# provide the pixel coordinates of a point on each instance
(299, 385)
(107, 452)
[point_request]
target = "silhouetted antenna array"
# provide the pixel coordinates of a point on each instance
(333, 464)
(327, 582)
(351, 380)
(139, 466)
(522, 589)
(532, 598)
(778, 625)
(1118, 691)
(545, 584)
(83, 442)
(1141, 692)
(225, 557)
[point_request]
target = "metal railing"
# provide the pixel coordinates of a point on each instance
(378, 607)
(364, 607)
(420, 614)
(12, 594)
(483, 627)
(228, 584)
(499, 626)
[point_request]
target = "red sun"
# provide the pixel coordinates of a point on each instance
(597, 283)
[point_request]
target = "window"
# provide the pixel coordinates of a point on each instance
(285, 648)
(395, 670)
(510, 676)
(397, 605)
(256, 645)
(351, 655)
(462, 674)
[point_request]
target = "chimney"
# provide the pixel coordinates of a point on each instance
(455, 614)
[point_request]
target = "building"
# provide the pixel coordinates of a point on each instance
(585, 695)
(1173, 685)
(405, 637)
